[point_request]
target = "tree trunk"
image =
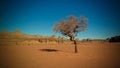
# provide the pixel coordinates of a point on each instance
(75, 46)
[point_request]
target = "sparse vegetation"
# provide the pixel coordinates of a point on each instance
(114, 39)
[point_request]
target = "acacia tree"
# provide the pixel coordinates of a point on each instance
(71, 27)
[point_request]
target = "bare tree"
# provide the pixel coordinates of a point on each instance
(71, 27)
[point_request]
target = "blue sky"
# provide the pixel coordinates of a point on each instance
(39, 16)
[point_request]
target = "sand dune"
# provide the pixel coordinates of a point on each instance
(90, 55)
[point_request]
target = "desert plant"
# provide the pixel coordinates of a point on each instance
(71, 27)
(114, 39)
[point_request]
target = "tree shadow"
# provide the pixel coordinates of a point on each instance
(48, 50)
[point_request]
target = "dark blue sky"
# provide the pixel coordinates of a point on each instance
(39, 16)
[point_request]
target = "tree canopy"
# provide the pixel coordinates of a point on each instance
(72, 26)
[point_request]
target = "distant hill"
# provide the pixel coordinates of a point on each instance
(18, 35)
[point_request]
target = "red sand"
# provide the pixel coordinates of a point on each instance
(90, 55)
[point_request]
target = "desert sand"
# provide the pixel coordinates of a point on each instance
(90, 55)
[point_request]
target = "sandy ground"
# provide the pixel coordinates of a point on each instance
(90, 55)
